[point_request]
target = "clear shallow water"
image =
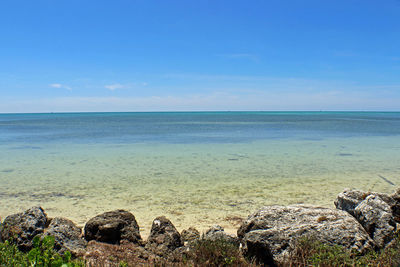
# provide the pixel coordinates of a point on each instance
(198, 169)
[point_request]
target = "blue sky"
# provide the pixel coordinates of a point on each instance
(58, 56)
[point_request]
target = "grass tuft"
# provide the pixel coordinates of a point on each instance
(216, 253)
(309, 252)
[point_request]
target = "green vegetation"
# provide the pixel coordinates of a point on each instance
(309, 252)
(42, 255)
(215, 253)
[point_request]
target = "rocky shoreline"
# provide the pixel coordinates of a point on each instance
(362, 221)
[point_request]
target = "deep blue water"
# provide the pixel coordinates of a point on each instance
(192, 127)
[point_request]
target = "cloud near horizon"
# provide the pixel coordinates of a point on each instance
(215, 101)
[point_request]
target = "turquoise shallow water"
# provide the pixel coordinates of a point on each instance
(197, 169)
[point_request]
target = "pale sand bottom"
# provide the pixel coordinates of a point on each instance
(191, 184)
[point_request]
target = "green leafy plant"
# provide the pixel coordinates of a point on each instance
(42, 255)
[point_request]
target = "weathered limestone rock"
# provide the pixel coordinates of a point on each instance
(396, 195)
(22, 227)
(273, 231)
(375, 215)
(377, 212)
(349, 199)
(163, 238)
(190, 235)
(396, 208)
(112, 227)
(217, 232)
(68, 236)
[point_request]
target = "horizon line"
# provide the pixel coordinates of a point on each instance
(202, 111)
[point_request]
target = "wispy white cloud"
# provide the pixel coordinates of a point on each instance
(114, 86)
(59, 85)
(55, 85)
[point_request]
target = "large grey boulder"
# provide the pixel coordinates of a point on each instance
(270, 234)
(396, 195)
(163, 238)
(68, 236)
(112, 227)
(396, 208)
(349, 199)
(375, 215)
(376, 212)
(22, 227)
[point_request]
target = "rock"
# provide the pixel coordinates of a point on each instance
(257, 248)
(349, 199)
(396, 195)
(163, 238)
(376, 212)
(112, 227)
(217, 232)
(396, 208)
(375, 215)
(68, 236)
(190, 235)
(273, 231)
(22, 227)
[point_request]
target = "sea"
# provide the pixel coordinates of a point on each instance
(196, 168)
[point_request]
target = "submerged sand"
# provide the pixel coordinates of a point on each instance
(192, 184)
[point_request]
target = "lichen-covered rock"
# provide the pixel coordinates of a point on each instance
(217, 232)
(275, 229)
(68, 236)
(112, 227)
(163, 238)
(190, 235)
(375, 215)
(22, 227)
